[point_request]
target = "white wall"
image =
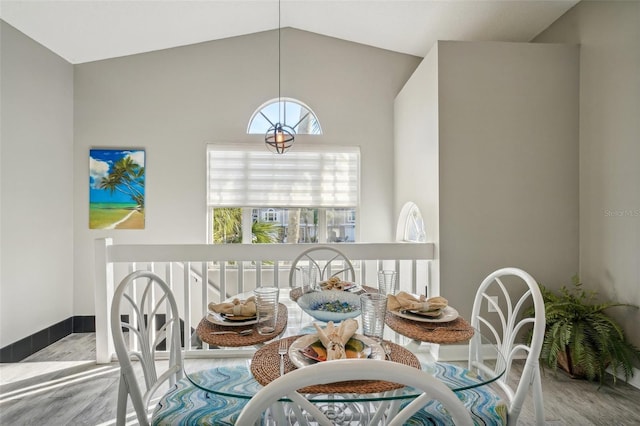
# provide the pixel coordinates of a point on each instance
(416, 154)
(507, 145)
(609, 36)
(36, 286)
(173, 102)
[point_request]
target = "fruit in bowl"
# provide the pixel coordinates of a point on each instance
(330, 305)
(335, 283)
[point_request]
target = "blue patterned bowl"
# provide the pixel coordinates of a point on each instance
(317, 304)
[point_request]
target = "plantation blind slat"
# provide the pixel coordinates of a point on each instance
(247, 177)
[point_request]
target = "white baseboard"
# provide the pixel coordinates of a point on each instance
(633, 381)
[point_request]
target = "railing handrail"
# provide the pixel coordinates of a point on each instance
(256, 252)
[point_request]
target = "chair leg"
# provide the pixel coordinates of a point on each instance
(277, 412)
(387, 409)
(121, 414)
(538, 404)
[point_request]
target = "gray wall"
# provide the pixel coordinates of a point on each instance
(36, 166)
(416, 155)
(507, 145)
(173, 102)
(609, 36)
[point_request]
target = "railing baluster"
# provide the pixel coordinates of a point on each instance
(133, 341)
(414, 276)
(247, 258)
(105, 285)
(168, 278)
(152, 323)
(186, 291)
(258, 274)
(204, 290)
(428, 288)
(222, 278)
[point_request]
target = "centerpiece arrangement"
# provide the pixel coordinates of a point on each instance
(331, 301)
(330, 305)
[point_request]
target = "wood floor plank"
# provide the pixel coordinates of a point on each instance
(577, 402)
(89, 398)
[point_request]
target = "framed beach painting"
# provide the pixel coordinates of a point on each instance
(116, 189)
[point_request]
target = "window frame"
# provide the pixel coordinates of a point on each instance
(411, 221)
(263, 111)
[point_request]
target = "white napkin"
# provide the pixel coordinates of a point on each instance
(334, 338)
(244, 308)
(404, 300)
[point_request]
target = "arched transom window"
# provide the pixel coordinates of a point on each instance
(410, 224)
(292, 113)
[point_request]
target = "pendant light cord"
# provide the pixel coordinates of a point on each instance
(279, 138)
(279, 67)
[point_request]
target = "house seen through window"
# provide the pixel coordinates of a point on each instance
(283, 225)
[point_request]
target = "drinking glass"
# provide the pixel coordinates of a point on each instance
(266, 299)
(373, 310)
(387, 282)
(309, 278)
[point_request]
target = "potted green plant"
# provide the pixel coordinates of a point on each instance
(581, 338)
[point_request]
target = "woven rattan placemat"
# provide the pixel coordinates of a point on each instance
(456, 331)
(265, 367)
(205, 328)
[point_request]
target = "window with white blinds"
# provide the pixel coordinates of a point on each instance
(248, 177)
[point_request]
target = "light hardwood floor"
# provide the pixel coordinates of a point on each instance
(85, 393)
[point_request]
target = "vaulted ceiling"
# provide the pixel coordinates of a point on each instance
(87, 30)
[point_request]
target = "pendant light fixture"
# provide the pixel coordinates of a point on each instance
(280, 137)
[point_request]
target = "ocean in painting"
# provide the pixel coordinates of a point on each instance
(110, 215)
(116, 189)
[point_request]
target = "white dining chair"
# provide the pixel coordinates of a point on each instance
(303, 409)
(326, 261)
(144, 317)
(506, 323)
(510, 291)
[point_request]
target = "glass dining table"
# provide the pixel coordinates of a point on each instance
(233, 374)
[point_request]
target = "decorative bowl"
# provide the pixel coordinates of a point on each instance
(315, 304)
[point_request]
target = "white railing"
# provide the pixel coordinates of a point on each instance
(233, 269)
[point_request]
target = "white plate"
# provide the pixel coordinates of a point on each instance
(448, 314)
(216, 318)
(300, 360)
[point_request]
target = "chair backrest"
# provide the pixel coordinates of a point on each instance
(144, 310)
(352, 369)
(506, 323)
(326, 261)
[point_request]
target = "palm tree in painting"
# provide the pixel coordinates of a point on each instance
(126, 177)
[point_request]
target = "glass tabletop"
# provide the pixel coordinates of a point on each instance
(229, 373)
